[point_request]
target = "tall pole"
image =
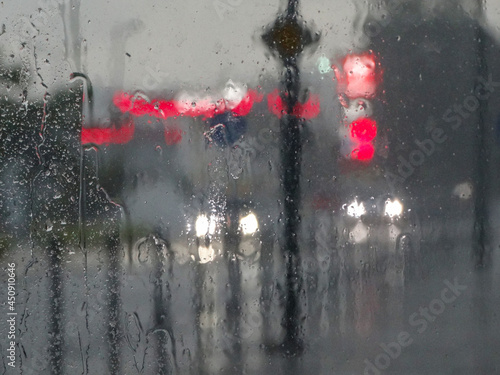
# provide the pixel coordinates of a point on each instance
(287, 37)
(56, 308)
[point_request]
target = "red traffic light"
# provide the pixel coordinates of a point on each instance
(363, 129)
(363, 152)
(359, 76)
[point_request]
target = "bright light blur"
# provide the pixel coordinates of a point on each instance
(359, 76)
(207, 254)
(363, 129)
(393, 208)
(184, 102)
(211, 225)
(249, 224)
(202, 225)
(363, 152)
(233, 94)
(463, 190)
(356, 209)
(324, 65)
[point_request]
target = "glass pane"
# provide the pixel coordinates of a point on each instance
(249, 187)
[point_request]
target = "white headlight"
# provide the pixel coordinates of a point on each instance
(206, 254)
(249, 224)
(202, 225)
(356, 209)
(212, 225)
(393, 208)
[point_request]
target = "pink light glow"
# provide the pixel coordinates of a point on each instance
(106, 136)
(139, 106)
(275, 104)
(359, 76)
(245, 106)
(206, 107)
(363, 152)
(308, 110)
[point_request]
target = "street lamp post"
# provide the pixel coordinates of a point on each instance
(288, 38)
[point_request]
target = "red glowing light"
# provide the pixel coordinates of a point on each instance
(363, 129)
(139, 106)
(307, 110)
(206, 107)
(106, 136)
(363, 152)
(167, 108)
(245, 106)
(359, 77)
(275, 104)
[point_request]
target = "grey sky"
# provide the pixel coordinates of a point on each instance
(155, 45)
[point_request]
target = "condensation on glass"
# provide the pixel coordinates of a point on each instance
(249, 188)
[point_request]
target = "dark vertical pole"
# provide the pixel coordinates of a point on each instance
(288, 38)
(114, 333)
(82, 205)
(291, 149)
(56, 285)
(198, 304)
(87, 99)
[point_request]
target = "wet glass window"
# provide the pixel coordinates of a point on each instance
(230, 187)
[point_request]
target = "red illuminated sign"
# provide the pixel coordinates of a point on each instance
(106, 136)
(208, 108)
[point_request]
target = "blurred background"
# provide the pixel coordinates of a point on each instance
(254, 187)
